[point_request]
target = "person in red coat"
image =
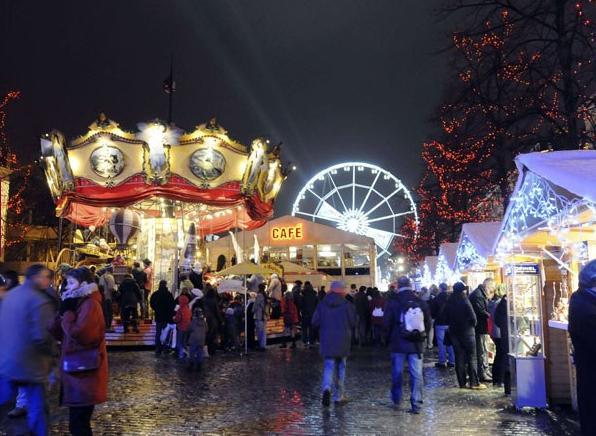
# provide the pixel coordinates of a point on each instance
(182, 320)
(291, 319)
(82, 332)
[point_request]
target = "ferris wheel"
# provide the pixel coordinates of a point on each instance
(360, 198)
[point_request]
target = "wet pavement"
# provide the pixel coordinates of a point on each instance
(278, 393)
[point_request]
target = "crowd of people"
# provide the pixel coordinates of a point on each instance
(61, 338)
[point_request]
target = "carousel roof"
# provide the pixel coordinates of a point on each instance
(108, 167)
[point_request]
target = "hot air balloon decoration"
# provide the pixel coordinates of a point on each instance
(124, 224)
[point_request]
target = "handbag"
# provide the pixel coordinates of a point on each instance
(81, 361)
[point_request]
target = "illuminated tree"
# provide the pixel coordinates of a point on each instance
(521, 79)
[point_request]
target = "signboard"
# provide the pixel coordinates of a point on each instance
(522, 268)
(287, 233)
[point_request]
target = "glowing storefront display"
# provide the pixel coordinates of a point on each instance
(322, 249)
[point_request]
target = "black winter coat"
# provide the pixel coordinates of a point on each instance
(397, 303)
(362, 305)
(309, 302)
(460, 315)
(501, 320)
(162, 303)
(479, 302)
(130, 293)
(437, 308)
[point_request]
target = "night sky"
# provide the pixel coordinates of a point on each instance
(334, 80)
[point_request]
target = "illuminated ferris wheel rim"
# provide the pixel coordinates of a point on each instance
(356, 219)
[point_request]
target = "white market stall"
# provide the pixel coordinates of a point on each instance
(547, 234)
(445, 271)
(474, 256)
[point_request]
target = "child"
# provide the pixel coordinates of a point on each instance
(196, 339)
(182, 320)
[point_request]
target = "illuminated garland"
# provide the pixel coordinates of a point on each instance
(468, 257)
(536, 203)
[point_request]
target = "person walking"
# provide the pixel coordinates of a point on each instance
(196, 339)
(84, 358)
(276, 295)
(479, 300)
(494, 332)
(214, 318)
(107, 285)
(147, 287)
(407, 318)
(462, 322)
(335, 318)
(260, 315)
(8, 281)
(503, 370)
(582, 325)
(437, 310)
(182, 320)
(162, 303)
(361, 304)
(309, 303)
(28, 348)
(377, 317)
(130, 297)
(291, 319)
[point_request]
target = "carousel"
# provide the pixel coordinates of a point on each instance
(159, 192)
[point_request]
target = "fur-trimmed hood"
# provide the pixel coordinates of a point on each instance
(84, 290)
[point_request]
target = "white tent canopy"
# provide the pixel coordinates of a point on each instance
(476, 244)
(448, 250)
(573, 170)
(550, 187)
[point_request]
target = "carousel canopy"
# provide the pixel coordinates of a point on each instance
(555, 193)
(162, 171)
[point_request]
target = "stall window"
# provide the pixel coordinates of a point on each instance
(329, 259)
(275, 254)
(357, 260)
(304, 256)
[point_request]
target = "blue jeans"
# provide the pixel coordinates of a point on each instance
(261, 327)
(181, 340)
(38, 411)
(444, 349)
(196, 354)
(416, 381)
(334, 369)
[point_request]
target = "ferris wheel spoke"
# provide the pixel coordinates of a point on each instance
(338, 193)
(380, 203)
(370, 190)
(382, 238)
(328, 218)
(353, 187)
(395, 215)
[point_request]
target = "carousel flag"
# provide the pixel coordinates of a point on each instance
(124, 224)
(190, 247)
(257, 250)
(237, 249)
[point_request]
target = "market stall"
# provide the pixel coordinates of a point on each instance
(321, 251)
(474, 257)
(546, 236)
(445, 271)
(429, 266)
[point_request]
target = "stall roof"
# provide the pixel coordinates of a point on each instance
(449, 250)
(572, 170)
(431, 261)
(314, 233)
(549, 187)
(476, 244)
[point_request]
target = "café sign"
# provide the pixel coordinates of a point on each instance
(287, 233)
